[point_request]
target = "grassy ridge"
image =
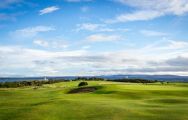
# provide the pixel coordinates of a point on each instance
(113, 101)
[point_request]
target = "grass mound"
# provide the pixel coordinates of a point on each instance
(83, 90)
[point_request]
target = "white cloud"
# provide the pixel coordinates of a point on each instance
(152, 33)
(88, 26)
(151, 9)
(41, 43)
(34, 62)
(48, 10)
(168, 45)
(51, 43)
(32, 31)
(146, 60)
(178, 44)
(103, 37)
(98, 28)
(176, 7)
(59, 44)
(136, 16)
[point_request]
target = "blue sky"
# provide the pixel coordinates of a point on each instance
(93, 37)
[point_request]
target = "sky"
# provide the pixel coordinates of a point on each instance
(93, 37)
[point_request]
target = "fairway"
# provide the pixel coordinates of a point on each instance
(112, 101)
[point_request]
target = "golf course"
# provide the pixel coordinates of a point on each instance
(109, 101)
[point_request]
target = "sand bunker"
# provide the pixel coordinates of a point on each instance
(83, 90)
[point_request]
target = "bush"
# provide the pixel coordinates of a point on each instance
(82, 84)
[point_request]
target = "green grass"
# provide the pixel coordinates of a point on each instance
(113, 101)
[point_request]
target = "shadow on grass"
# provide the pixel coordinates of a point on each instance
(169, 101)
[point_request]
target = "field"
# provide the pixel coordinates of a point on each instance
(112, 101)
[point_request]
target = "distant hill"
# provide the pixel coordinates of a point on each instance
(149, 77)
(172, 78)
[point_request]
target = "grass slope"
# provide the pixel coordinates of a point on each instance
(113, 101)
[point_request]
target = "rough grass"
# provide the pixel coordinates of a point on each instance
(113, 101)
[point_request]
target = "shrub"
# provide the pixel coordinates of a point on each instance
(82, 84)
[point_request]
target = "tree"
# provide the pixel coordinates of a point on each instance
(82, 84)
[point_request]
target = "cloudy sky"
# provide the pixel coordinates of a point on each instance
(93, 37)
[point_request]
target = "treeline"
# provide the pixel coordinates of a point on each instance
(117, 80)
(51, 81)
(28, 83)
(90, 79)
(134, 80)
